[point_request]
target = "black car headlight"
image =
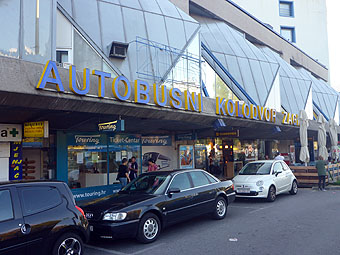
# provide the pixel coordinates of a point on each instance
(115, 216)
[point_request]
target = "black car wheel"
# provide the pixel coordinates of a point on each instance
(220, 210)
(294, 189)
(271, 194)
(149, 228)
(68, 244)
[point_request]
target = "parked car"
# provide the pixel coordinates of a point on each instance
(40, 217)
(265, 179)
(156, 200)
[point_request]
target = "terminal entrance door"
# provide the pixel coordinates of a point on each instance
(228, 158)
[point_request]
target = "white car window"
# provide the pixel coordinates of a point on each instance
(277, 167)
(284, 166)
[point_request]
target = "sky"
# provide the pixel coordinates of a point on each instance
(333, 20)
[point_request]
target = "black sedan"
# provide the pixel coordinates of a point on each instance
(158, 199)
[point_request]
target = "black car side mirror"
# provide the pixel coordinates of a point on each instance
(173, 190)
(277, 173)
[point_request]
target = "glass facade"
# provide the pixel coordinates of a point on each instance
(214, 84)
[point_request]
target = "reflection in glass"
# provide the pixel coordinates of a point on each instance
(10, 15)
(37, 18)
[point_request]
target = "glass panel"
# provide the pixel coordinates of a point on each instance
(87, 166)
(245, 150)
(84, 55)
(199, 179)
(180, 181)
(37, 30)
(222, 90)
(287, 33)
(10, 15)
(48, 198)
(117, 153)
(6, 209)
(208, 76)
(286, 9)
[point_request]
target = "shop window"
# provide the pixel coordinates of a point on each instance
(48, 197)
(6, 208)
(245, 150)
(87, 166)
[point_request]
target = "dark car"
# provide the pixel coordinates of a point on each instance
(40, 218)
(158, 199)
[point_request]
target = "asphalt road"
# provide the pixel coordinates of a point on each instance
(307, 223)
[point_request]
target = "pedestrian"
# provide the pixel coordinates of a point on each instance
(133, 169)
(152, 166)
(320, 166)
(123, 173)
(279, 156)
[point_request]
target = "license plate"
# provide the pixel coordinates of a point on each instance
(91, 228)
(243, 190)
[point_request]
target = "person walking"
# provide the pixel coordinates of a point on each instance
(133, 167)
(123, 173)
(320, 166)
(279, 156)
(152, 166)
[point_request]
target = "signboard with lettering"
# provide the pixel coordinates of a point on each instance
(125, 140)
(10, 133)
(86, 139)
(15, 161)
(113, 126)
(36, 129)
(156, 140)
(230, 134)
(185, 137)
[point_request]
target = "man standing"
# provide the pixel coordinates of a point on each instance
(279, 156)
(133, 169)
(320, 166)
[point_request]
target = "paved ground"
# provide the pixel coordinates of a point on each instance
(307, 223)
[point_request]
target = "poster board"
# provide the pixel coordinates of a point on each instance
(186, 156)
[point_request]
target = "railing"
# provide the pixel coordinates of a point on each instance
(307, 176)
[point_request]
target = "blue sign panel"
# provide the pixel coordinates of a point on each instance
(15, 161)
(125, 140)
(156, 140)
(93, 193)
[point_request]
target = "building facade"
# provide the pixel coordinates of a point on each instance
(84, 84)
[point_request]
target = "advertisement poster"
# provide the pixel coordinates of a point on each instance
(186, 155)
(15, 161)
(163, 156)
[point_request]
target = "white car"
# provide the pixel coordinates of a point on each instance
(265, 179)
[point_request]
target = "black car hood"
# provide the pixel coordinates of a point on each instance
(115, 202)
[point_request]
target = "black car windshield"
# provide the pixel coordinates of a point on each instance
(148, 183)
(259, 168)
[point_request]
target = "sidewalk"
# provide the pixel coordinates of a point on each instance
(329, 187)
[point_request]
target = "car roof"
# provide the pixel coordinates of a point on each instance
(30, 182)
(172, 172)
(265, 161)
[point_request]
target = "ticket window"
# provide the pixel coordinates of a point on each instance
(116, 155)
(87, 166)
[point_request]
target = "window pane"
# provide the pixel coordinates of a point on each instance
(211, 179)
(84, 55)
(87, 166)
(278, 167)
(37, 30)
(181, 181)
(10, 15)
(286, 9)
(222, 90)
(38, 199)
(6, 209)
(199, 179)
(287, 33)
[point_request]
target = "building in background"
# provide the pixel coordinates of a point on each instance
(302, 22)
(187, 83)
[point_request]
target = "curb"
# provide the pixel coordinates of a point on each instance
(328, 188)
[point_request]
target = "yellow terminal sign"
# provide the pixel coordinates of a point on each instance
(35, 129)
